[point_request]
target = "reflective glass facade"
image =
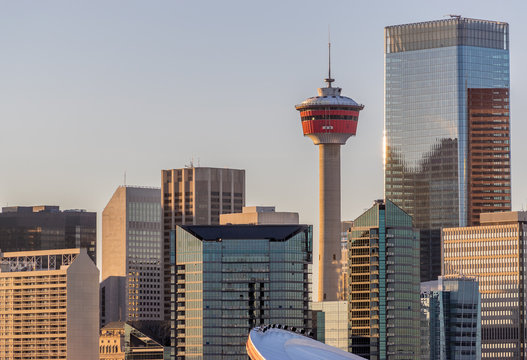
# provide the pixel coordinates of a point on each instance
(30, 228)
(196, 196)
(430, 69)
(450, 319)
(229, 279)
(383, 253)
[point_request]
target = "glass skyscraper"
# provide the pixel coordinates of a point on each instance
(447, 125)
(450, 319)
(383, 252)
(228, 279)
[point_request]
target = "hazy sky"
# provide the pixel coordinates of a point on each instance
(92, 89)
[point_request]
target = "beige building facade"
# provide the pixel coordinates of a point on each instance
(494, 253)
(131, 287)
(49, 305)
(260, 215)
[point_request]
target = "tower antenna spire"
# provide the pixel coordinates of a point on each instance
(329, 80)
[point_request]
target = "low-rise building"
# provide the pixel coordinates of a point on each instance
(259, 215)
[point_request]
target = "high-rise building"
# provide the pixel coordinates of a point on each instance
(384, 284)
(49, 305)
(450, 319)
(494, 253)
(31, 228)
(231, 278)
(196, 196)
(329, 119)
(447, 155)
(132, 287)
(260, 215)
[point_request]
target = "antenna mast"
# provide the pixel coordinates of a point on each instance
(329, 80)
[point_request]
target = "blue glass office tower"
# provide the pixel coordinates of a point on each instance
(228, 279)
(383, 295)
(450, 319)
(446, 125)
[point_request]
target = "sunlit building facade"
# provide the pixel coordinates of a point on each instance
(131, 287)
(447, 155)
(383, 254)
(49, 306)
(123, 341)
(229, 279)
(494, 253)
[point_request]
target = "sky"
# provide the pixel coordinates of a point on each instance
(91, 90)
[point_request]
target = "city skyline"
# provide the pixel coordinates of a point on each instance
(103, 91)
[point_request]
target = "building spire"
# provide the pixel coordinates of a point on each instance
(329, 80)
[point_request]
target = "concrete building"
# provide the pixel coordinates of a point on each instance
(450, 319)
(49, 305)
(447, 134)
(329, 119)
(229, 279)
(260, 215)
(494, 253)
(196, 196)
(123, 341)
(132, 287)
(384, 284)
(45, 227)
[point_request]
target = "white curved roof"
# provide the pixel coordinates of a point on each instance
(329, 96)
(278, 344)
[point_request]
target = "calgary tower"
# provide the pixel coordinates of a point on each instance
(329, 119)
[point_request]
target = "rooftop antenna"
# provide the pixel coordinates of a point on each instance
(329, 80)
(125, 178)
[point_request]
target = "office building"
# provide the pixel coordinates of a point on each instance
(494, 253)
(329, 119)
(31, 228)
(259, 215)
(447, 138)
(49, 305)
(196, 196)
(132, 287)
(450, 319)
(231, 278)
(384, 284)
(123, 341)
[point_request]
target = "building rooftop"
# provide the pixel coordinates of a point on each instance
(278, 344)
(247, 232)
(505, 217)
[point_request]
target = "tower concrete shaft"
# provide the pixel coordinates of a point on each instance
(329, 219)
(329, 119)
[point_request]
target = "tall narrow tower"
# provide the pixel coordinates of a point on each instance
(329, 119)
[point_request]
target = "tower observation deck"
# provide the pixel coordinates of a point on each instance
(329, 119)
